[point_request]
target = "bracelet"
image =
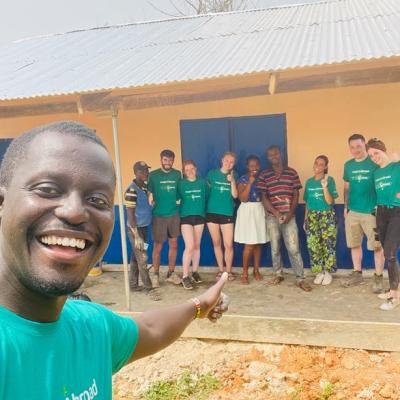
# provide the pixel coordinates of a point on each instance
(197, 304)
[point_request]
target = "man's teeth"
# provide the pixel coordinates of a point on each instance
(64, 241)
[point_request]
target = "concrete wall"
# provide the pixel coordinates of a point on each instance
(318, 121)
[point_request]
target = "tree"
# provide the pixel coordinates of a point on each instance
(187, 7)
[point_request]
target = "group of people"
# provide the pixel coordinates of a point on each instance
(57, 186)
(268, 200)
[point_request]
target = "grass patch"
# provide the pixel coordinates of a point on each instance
(187, 387)
(327, 391)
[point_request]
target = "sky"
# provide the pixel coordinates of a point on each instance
(27, 18)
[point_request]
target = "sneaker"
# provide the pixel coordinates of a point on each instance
(136, 288)
(154, 294)
(390, 304)
(319, 278)
(187, 283)
(384, 295)
(173, 278)
(196, 277)
(327, 280)
(377, 284)
(156, 281)
(355, 279)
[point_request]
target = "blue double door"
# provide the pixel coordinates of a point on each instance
(206, 140)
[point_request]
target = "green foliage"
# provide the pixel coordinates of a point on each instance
(161, 390)
(187, 387)
(327, 391)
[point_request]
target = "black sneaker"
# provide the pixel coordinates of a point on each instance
(187, 283)
(196, 277)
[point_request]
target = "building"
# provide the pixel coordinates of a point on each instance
(303, 76)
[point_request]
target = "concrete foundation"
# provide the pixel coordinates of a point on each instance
(327, 316)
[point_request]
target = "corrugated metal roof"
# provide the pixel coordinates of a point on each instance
(194, 48)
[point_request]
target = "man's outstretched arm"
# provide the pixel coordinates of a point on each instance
(160, 328)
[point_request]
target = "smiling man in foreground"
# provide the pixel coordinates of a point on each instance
(57, 189)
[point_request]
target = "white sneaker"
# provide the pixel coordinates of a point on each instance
(384, 296)
(390, 304)
(319, 278)
(174, 278)
(327, 279)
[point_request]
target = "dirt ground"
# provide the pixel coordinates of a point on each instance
(264, 372)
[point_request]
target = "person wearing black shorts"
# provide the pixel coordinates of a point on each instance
(387, 187)
(220, 207)
(193, 194)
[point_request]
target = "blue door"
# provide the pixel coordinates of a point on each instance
(4, 143)
(205, 141)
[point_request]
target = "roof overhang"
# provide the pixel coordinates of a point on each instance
(382, 71)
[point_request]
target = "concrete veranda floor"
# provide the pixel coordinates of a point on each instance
(327, 316)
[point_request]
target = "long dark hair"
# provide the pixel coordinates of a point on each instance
(326, 159)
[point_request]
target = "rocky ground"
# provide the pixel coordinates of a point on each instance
(263, 372)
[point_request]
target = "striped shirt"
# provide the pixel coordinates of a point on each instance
(279, 188)
(131, 195)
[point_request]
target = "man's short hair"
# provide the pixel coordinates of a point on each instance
(252, 157)
(356, 136)
(167, 153)
(18, 148)
(274, 147)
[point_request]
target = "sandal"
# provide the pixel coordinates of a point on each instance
(244, 280)
(257, 276)
(154, 295)
(276, 280)
(303, 285)
(231, 276)
(218, 276)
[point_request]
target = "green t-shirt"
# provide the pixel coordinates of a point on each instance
(387, 185)
(193, 197)
(72, 358)
(220, 200)
(314, 194)
(360, 176)
(164, 186)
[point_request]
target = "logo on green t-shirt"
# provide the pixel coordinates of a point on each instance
(360, 176)
(90, 393)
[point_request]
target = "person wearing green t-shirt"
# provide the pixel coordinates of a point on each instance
(57, 196)
(163, 189)
(387, 186)
(320, 221)
(193, 192)
(220, 208)
(359, 212)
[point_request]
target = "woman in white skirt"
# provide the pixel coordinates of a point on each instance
(250, 226)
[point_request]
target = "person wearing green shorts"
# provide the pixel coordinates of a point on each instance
(163, 187)
(57, 195)
(359, 212)
(193, 192)
(220, 208)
